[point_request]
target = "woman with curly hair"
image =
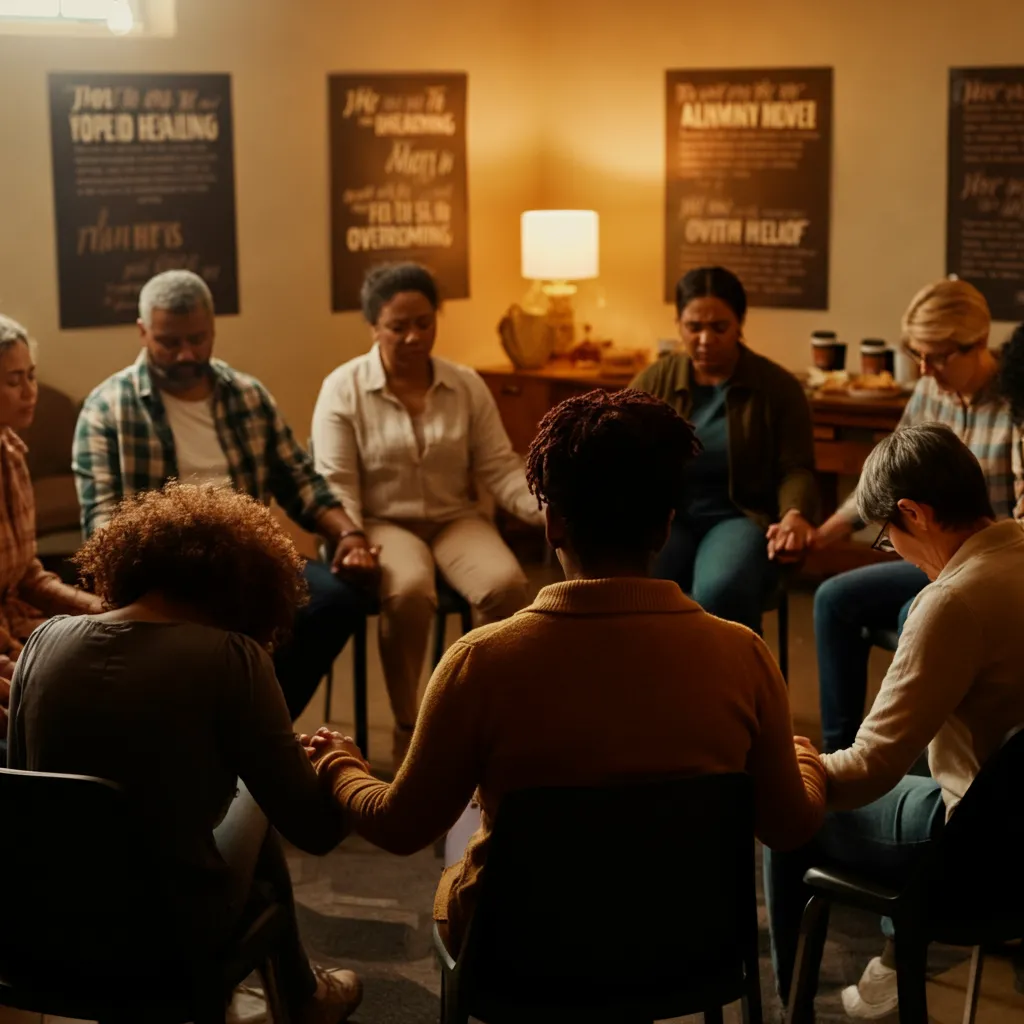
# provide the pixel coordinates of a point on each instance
(171, 693)
(537, 700)
(28, 594)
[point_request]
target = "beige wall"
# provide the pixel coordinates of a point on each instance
(279, 53)
(604, 139)
(566, 108)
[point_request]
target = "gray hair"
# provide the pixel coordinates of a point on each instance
(11, 332)
(927, 464)
(177, 291)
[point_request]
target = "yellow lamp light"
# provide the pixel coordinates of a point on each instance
(558, 248)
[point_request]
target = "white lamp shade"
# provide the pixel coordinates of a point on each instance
(559, 245)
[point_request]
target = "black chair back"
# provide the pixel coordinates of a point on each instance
(976, 870)
(634, 897)
(82, 897)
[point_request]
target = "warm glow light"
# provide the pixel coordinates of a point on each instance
(559, 245)
(120, 19)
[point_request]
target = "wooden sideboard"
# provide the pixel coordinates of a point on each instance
(845, 430)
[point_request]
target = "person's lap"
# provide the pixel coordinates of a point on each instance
(322, 628)
(873, 597)
(723, 566)
(882, 842)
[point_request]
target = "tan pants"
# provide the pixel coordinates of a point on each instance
(473, 559)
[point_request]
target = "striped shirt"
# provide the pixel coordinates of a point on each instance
(985, 424)
(124, 444)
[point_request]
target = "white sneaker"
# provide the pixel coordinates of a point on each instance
(874, 996)
(248, 1006)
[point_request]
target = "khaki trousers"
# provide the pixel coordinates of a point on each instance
(473, 559)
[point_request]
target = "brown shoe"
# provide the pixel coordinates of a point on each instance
(338, 993)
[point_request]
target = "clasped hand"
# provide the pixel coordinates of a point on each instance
(325, 741)
(790, 538)
(357, 559)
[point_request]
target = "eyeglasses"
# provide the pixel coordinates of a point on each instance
(937, 360)
(882, 542)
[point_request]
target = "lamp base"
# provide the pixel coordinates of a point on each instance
(560, 315)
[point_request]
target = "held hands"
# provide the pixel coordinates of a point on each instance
(790, 538)
(325, 741)
(356, 559)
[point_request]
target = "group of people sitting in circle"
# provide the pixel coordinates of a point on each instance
(200, 634)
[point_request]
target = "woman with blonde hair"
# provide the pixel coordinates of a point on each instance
(945, 330)
(28, 594)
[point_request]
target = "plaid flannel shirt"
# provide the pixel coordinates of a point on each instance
(124, 444)
(986, 426)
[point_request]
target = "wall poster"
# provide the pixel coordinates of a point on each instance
(748, 180)
(398, 178)
(985, 186)
(143, 181)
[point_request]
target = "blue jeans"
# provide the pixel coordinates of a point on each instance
(322, 628)
(882, 842)
(722, 565)
(872, 597)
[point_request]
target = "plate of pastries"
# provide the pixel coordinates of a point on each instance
(862, 385)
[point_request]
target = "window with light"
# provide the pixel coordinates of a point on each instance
(88, 17)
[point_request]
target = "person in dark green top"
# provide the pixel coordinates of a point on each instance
(752, 496)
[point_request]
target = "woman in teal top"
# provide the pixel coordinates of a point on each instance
(751, 494)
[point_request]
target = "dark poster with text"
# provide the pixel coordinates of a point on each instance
(985, 187)
(748, 180)
(398, 179)
(143, 180)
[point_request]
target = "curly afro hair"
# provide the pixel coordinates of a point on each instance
(610, 464)
(214, 550)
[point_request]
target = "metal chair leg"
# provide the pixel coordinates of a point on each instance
(974, 984)
(804, 984)
(272, 992)
(328, 689)
(440, 624)
(712, 1015)
(911, 967)
(359, 687)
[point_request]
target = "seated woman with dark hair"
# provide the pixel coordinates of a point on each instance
(537, 700)
(405, 438)
(171, 693)
(751, 495)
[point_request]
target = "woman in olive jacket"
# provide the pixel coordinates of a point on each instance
(752, 494)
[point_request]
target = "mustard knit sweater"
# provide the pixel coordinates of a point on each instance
(597, 681)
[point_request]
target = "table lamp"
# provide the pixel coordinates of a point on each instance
(558, 248)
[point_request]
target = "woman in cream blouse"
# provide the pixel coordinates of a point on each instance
(401, 436)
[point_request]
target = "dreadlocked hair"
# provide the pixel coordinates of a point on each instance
(610, 464)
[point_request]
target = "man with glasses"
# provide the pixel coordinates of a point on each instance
(953, 688)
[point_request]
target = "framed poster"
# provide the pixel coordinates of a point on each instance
(143, 181)
(985, 185)
(748, 180)
(398, 179)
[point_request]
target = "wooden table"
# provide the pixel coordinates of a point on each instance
(845, 430)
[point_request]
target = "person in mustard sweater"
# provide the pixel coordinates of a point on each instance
(608, 675)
